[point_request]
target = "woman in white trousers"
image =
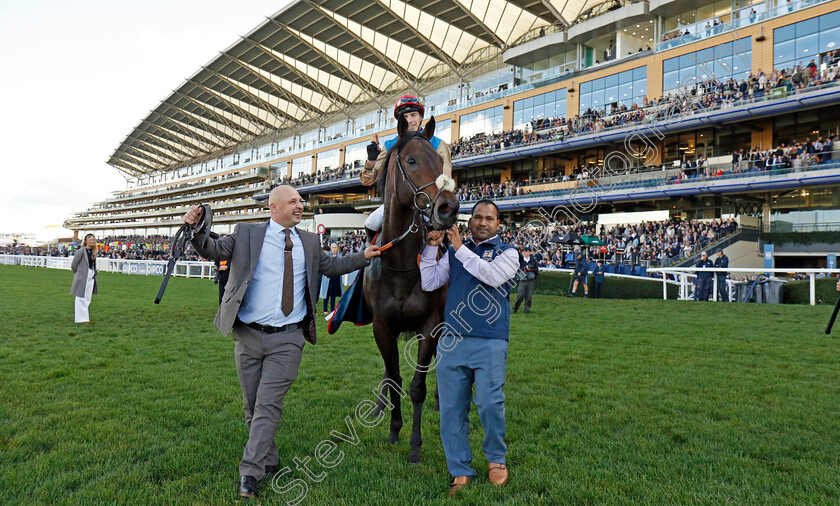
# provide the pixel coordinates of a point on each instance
(84, 278)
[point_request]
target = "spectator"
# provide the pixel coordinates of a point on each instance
(598, 273)
(580, 274)
(722, 261)
(528, 280)
(333, 282)
(84, 278)
(704, 278)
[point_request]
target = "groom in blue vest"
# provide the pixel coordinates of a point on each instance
(473, 347)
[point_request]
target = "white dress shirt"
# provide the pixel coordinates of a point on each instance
(434, 273)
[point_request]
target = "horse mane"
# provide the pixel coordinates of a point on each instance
(401, 142)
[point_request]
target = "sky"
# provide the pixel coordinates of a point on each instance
(78, 77)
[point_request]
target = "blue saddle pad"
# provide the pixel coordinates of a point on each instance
(352, 307)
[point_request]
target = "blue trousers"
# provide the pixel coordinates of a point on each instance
(482, 362)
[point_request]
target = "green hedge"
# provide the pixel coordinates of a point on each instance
(798, 292)
(779, 238)
(557, 283)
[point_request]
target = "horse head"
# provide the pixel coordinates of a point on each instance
(415, 170)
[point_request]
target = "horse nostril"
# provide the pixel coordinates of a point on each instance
(444, 209)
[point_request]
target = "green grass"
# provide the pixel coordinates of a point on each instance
(608, 401)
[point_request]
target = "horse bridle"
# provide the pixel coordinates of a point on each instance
(442, 182)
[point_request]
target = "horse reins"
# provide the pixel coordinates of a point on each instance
(181, 241)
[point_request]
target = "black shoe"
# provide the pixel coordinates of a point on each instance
(248, 486)
(527, 311)
(270, 471)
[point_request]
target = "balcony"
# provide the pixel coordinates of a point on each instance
(542, 46)
(741, 19)
(609, 21)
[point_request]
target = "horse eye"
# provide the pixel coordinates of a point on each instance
(411, 160)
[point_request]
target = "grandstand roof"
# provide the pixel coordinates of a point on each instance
(317, 58)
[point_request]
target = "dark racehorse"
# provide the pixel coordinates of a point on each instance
(414, 188)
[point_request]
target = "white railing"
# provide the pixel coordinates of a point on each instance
(685, 276)
(141, 267)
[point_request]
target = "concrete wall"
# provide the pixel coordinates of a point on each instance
(744, 255)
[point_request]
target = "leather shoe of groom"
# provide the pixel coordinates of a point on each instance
(248, 486)
(457, 484)
(498, 474)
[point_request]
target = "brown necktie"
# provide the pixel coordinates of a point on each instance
(288, 302)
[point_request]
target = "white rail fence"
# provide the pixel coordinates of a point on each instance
(141, 267)
(685, 279)
(684, 275)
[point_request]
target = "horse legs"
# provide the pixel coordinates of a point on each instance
(426, 350)
(388, 348)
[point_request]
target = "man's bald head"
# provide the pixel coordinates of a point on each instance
(280, 193)
(286, 206)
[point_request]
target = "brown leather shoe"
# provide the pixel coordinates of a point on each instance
(457, 484)
(498, 474)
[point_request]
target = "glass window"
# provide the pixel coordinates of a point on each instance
(327, 160)
(807, 27)
(830, 39)
(356, 153)
(784, 33)
(625, 88)
(302, 165)
(546, 105)
(731, 60)
(807, 47)
(801, 42)
(784, 54)
(487, 121)
(443, 131)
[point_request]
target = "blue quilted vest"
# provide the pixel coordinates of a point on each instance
(474, 309)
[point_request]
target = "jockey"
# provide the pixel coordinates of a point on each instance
(412, 110)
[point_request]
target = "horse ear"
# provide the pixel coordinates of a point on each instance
(429, 129)
(402, 125)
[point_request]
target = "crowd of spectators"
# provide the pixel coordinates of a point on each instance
(648, 243)
(350, 242)
(322, 176)
(704, 95)
(797, 155)
(130, 247)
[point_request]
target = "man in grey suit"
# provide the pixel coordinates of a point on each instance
(269, 303)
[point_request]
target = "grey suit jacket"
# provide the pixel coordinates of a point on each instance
(242, 251)
(80, 269)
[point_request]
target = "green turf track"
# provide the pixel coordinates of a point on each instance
(608, 402)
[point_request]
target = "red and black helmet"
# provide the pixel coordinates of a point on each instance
(408, 103)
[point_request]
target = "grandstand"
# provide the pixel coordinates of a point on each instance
(704, 110)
